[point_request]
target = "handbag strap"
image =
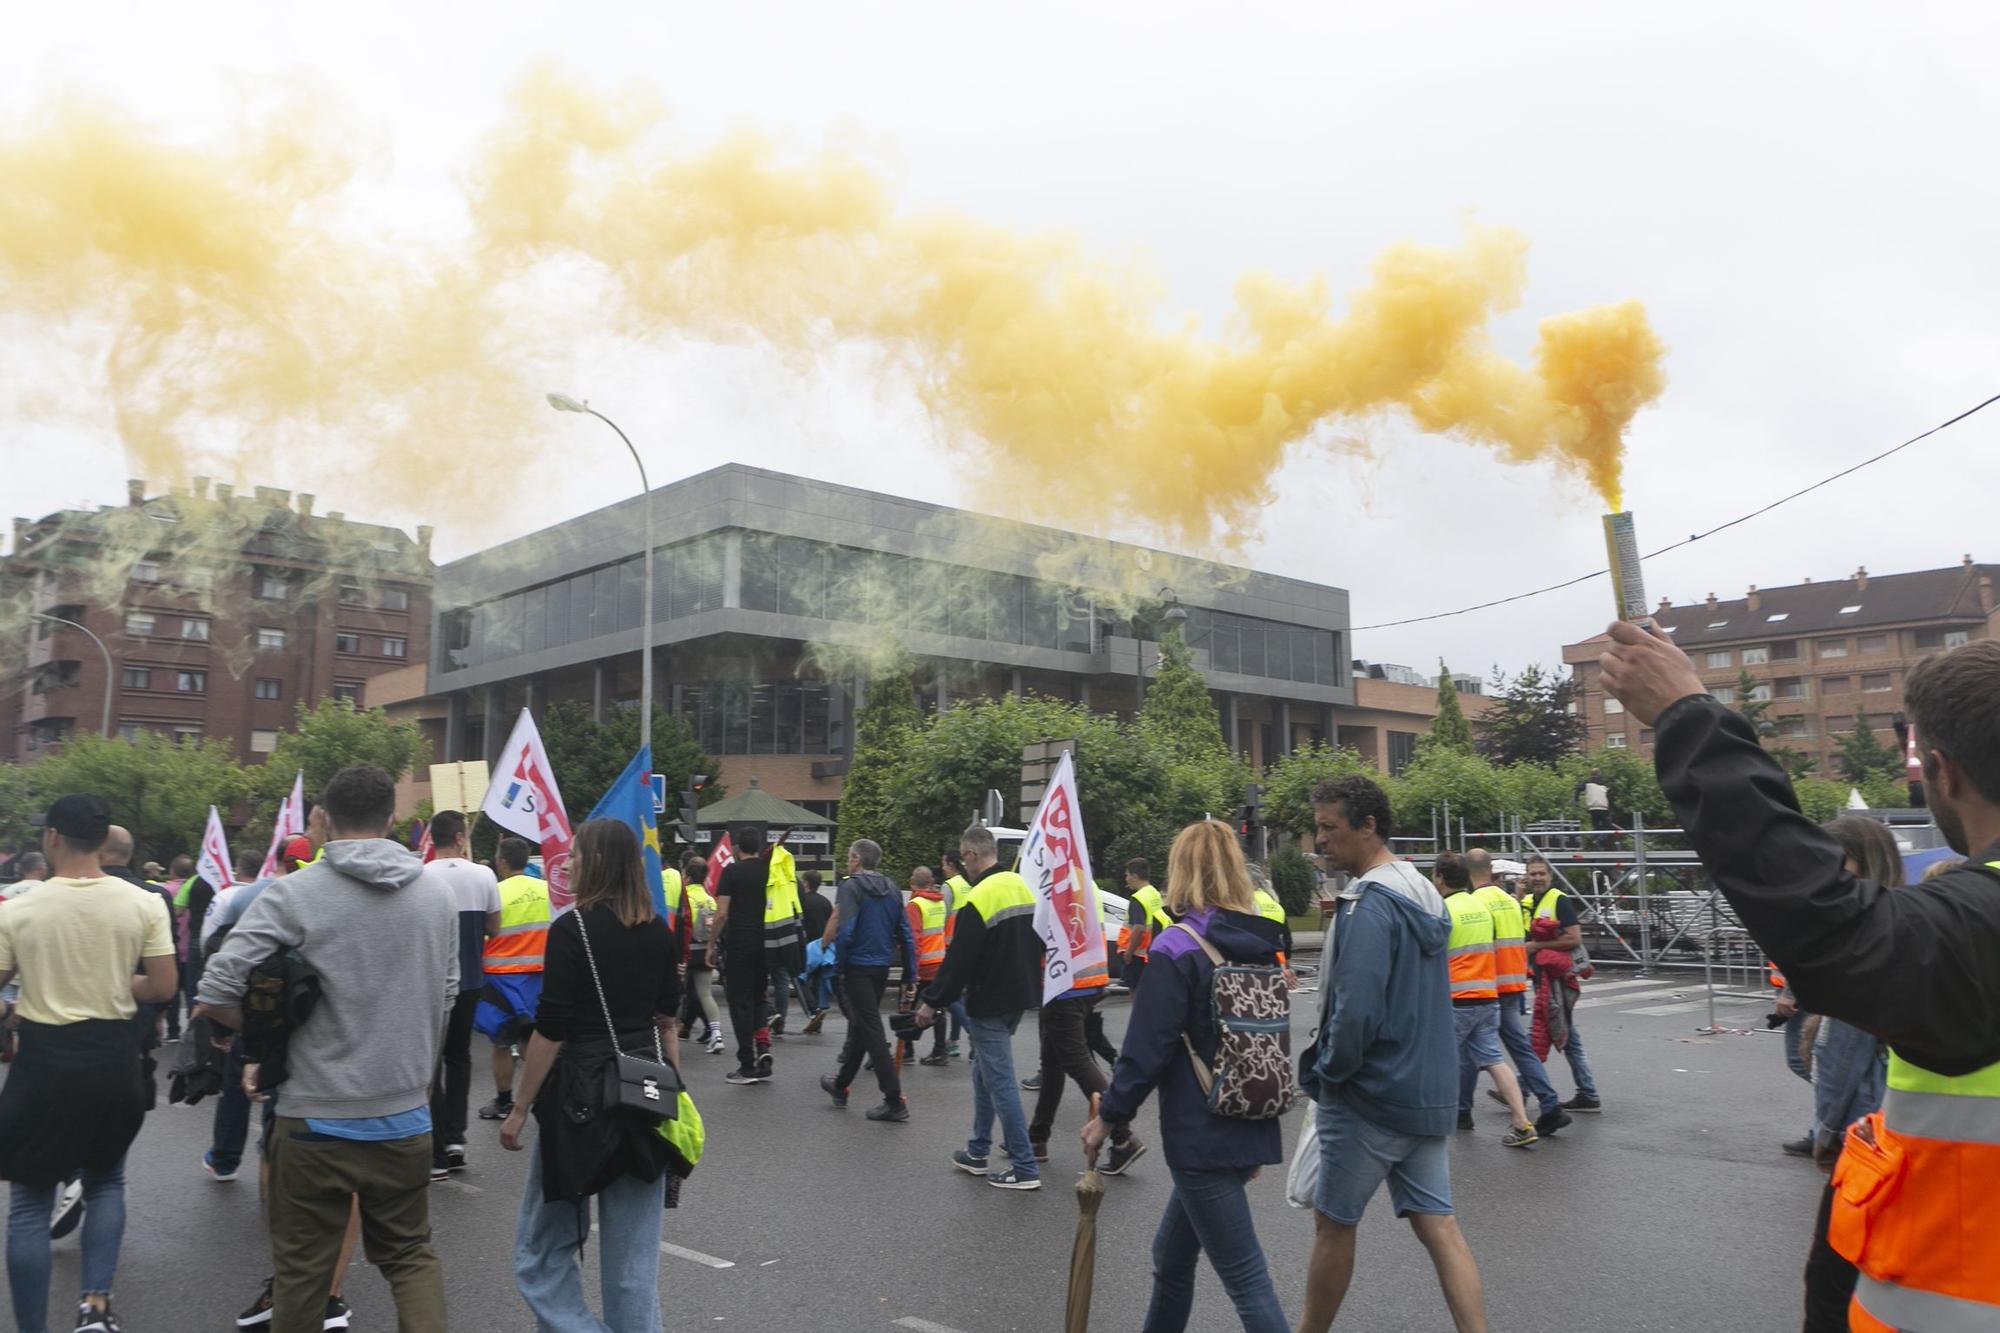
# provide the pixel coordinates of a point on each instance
(1204, 1077)
(597, 982)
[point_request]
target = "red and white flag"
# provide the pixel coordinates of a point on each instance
(1056, 863)
(213, 863)
(290, 823)
(719, 860)
(1913, 764)
(523, 799)
(426, 849)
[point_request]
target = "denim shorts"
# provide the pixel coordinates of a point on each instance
(1479, 1033)
(1356, 1155)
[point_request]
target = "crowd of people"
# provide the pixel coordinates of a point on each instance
(357, 1044)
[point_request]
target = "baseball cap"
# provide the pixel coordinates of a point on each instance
(298, 848)
(82, 816)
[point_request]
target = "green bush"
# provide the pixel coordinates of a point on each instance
(1292, 879)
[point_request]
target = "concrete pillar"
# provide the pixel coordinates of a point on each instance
(941, 697)
(496, 726)
(600, 691)
(1083, 692)
(537, 700)
(454, 727)
(1014, 682)
(1230, 732)
(732, 567)
(1330, 726)
(1284, 727)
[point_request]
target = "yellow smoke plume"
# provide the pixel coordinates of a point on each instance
(246, 310)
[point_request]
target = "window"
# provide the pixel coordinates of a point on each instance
(1880, 683)
(1788, 651)
(195, 630)
(395, 599)
(1777, 616)
(136, 678)
(140, 624)
(1646, 736)
(1403, 749)
(1716, 659)
(1725, 694)
(270, 687)
(1836, 685)
(1956, 638)
(146, 571)
(1612, 706)
(1756, 656)
(1717, 624)
(1849, 610)
(196, 580)
(1760, 694)
(349, 690)
(395, 647)
(187, 731)
(274, 584)
(130, 732)
(1872, 645)
(263, 742)
(1792, 688)
(191, 682)
(347, 643)
(1830, 648)
(1794, 726)
(350, 594)
(1615, 741)
(270, 638)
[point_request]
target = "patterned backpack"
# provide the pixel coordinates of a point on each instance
(1253, 1078)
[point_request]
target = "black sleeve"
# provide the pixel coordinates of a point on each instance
(667, 999)
(1915, 966)
(564, 982)
(1567, 912)
(968, 937)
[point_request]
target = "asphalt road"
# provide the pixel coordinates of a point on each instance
(1674, 1210)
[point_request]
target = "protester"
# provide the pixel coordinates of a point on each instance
(1918, 968)
(381, 932)
(1546, 902)
(1212, 1158)
(1064, 1028)
(700, 988)
(75, 1098)
(956, 888)
(115, 860)
(477, 893)
(1596, 798)
(1384, 1071)
(784, 948)
(1146, 918)
(816, 981)
(928, 915)
(512, 961)
(994, 961)
(1475, 999)
(29, 868)
(1510, 958)
(613, 968)
(873, 935)
(738, 945)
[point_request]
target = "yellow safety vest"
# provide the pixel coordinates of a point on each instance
(955, 891)
(1510, 937)
(1157, 919)
(1001, 895)
(1470, 949)
(1268, 905)
(1545, 908)
(524, 926)
(670, 890)
(781, 901)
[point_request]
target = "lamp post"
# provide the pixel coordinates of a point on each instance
(564, 403)
(1174, 615)
(109, 684)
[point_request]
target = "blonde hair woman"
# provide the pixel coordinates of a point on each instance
(1212, 1158)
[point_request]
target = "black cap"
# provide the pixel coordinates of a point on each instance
(84, 817)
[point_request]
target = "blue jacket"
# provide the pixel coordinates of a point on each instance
(1175, 998)
(874, 931)
(1389, 1049)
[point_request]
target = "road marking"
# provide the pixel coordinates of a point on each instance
(924, 1325)
(1630, 997)
(1598, 987)
(696, 1255)
(1685, 1006)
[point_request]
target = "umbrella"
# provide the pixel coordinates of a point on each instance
(1083, 1253)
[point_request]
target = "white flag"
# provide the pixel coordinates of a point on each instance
(1056, 863)
(291, 822)
(523, 799)
(213, 864)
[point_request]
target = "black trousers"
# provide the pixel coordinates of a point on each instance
(864, 1025)
(743, 985)
(1830, 1278)
(452, 1087)
(1100, 1045)
(1065, 1055)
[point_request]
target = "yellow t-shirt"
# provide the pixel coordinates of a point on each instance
(75, 944)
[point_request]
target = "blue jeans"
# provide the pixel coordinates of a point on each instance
(958, 1019)
(548, 1245)
(232, 1116)
(1209, 1212)
(817, 983)
(1535, 1083)
(995, 1093)
(28, 1243)
(1579, 1064)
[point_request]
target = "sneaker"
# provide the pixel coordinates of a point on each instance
(1583, 1103)
(969, 1164)
(1012, 1179)
(715, 1045)
(439, 1171)
(1521, 1136)
(454, 1156)
(833, 1090)
(764, 1064)
(259, 1313)
(951, 1048)
(1493, 1095)
(1465, 1120)
(744, 1076)
(1798, 1147)
(935, 1061)
(337, 1314)
(215, 1172)
(90, 1319)
(1033, 1084)
(68, 1215)
(1551, 1121)
(1040, 1150)
(497, 1109)
(893, 1113)
(1122, 1156)
(811, 1029)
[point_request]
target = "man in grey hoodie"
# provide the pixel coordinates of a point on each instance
(382, 933)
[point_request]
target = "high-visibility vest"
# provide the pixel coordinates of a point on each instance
(1000, 896)
(1774, 976)
(1473, 975)
(1268, 905)
(1157, 919)
(524, 926)
(930, 924)
(670, 888)
(955, 891)
(1510, 937)
(1915, 1210)
(781, 901)
(1545, 908)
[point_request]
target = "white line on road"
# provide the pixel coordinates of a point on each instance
(1684, 1007)
(1599, 987)
(1630, 997)
(696, 1255)
(923, 1325)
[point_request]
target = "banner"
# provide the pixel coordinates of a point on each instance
(720, 858)
(523, 799)
(1056, 864)
(213, 864)
(629, 800)
(426, 849)
(291, 822)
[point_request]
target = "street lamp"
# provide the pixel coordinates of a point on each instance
(1174, 615)
(562, 402)
(109, 683)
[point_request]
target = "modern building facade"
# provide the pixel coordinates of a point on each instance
(774, 595)
(202, 613)
(1819, 653)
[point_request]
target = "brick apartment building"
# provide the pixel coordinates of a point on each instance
(1819, 652)
(220, 613)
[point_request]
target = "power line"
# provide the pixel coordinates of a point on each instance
(1691, 537)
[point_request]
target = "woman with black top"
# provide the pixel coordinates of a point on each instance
(585, 1147)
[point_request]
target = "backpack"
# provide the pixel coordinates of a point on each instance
(1253, 1077)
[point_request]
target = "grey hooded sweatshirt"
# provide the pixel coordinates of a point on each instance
(382, 932)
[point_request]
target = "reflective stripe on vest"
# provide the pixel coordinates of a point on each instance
(781, 901)
(931, 920)
(1470, 950)
(1510, 935)
(1912, 1209)
(524, 926)
(1268, 906)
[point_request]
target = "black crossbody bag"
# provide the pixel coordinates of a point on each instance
(652, 1087)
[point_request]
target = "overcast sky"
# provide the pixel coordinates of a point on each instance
(1803, 201)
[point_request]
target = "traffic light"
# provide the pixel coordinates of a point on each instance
(1251, 817)
(686, 829)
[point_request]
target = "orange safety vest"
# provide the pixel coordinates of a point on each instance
(1473, 973)
(927, 923)
(1776, 977)
(1510, 938)
(524, 926)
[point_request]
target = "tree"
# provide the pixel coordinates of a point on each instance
(158, 788)
(22, 796)
(1634, 787)
(884, 734)
(1449, 729)
(1289, 783)
(1533, 719)
(1438, 779)
(1748, 704)
(1797, 763)
(588, 756)
(1292, 878)
(332, 736)
(1861, 755)
(1178, 724)
(1820, 799)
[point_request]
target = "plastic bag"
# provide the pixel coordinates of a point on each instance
(1302, 1180)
